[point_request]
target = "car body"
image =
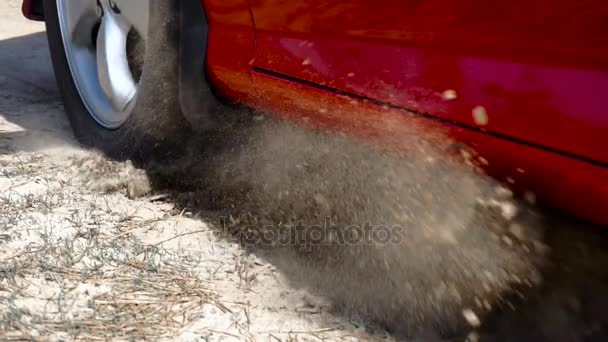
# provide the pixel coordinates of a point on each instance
(522, 82)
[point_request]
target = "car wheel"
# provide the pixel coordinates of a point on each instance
(116, 64)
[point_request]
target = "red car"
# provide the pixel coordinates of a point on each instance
(523, 82)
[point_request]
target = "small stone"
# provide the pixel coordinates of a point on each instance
(483, 161)
(487, 305)
(449, 95)
(480, 116)
(517, 231)
(516, 279)
(478, 302)
(508, 210)
(467, 155)
(471, 317)
(472, 337)
(503, 193)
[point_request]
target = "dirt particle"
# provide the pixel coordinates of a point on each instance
(449, 95)
(322, 201)
(471, 318)
(480, 116)
(472, 337)
(530, 197)
(503, 193)
(517, 231)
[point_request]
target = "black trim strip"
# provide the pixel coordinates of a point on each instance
(427, 116)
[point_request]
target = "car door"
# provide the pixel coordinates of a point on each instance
(533, 71)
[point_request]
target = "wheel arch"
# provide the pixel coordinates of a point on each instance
(193, 83)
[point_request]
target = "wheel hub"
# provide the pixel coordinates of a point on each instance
(101, 67)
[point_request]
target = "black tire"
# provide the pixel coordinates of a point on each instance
(156, 126)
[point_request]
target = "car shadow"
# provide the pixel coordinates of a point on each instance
(30, 104)
(571, 304)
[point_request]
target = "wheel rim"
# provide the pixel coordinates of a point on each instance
(96, 36)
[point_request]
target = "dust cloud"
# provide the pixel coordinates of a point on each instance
(415, 241)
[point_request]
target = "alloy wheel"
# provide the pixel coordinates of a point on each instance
(104, 42)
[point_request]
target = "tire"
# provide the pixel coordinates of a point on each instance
(155, 127)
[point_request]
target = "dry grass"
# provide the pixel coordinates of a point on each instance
(72, 242)
(80, 260)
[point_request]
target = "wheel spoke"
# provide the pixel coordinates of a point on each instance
(113, 69)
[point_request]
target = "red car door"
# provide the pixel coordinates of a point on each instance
(533, 71)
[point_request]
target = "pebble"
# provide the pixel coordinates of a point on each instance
(480, 116)
(449, 94)
(473, 337)
(517, 231)
(504, 193)
(471, 317)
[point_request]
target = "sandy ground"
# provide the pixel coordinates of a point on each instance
(121, 261)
